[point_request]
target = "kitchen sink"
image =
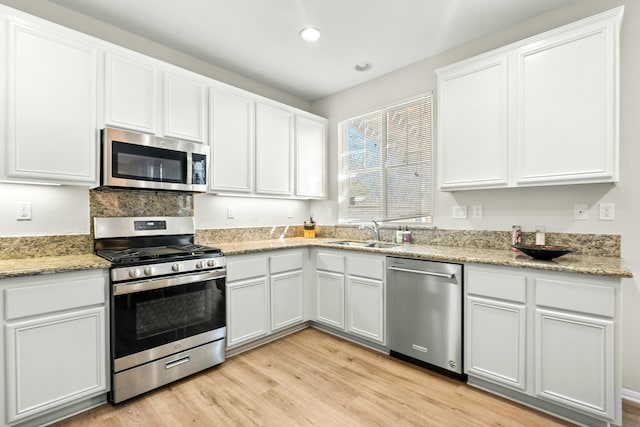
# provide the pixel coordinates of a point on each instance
(361, 244)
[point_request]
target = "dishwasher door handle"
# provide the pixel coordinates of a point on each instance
(425, 273)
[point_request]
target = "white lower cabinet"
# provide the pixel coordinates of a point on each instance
(350, 290)
(265, 294)
(330, 298)
(247, 293)
(366, 305)
(287, 290)
(553, 337)
(246, 310)
(569, 346)
(55, 342)
(496, 342)
(495, 326)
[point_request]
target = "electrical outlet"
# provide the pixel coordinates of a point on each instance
(23, 211)
(581, 212)
(231, 212)
(607, 211)
(330, 212)
(290, 213)
(476, 211)
(459, 212)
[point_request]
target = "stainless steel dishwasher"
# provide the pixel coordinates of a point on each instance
(425, 312)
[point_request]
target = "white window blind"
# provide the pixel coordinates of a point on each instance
(386, 159)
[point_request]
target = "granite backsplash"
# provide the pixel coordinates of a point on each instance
(110, 203)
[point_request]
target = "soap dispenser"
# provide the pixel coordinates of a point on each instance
(399, 234)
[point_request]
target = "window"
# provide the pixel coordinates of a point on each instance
(386, 163)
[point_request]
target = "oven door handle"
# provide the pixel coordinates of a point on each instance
(165, 282)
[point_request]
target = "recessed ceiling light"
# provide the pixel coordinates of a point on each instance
(363, 66)
(310, 34)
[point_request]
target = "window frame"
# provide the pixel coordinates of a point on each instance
(343, 163)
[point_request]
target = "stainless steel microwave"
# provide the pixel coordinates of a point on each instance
(137, 160)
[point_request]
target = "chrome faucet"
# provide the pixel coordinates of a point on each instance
(375, 229)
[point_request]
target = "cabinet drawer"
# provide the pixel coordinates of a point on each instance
(366, 267)
(563, 294)
(330, 262)
(509, 287)
(55, 293)
(245, 268)
(286, 262)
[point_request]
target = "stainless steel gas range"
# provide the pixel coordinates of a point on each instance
(168, 315)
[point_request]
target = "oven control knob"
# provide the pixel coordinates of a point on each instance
(134, 272)
(199, 264)
(176, 267)
(211, 263)
(148, 271)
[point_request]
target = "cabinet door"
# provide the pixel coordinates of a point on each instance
(473, 125)
(185, 108)
(366, 308)
(287, 299)
(574, 361)
(310, 157)
(232, 142)
(246, 310)
(274, 131)
(51, 105)
(496, 341)
(55, 360)
(566, 108)
(330, 298)
(131, 88)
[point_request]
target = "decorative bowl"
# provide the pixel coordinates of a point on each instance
(544, 252)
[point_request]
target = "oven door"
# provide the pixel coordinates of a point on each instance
(157, 317)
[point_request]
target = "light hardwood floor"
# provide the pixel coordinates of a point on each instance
(312, 378)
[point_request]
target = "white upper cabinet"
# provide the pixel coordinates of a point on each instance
(131, 88)
(274, 146)
(138, 88)
(50, 105)
(59, 88)
(232, 142)
(543, 111)
(473, 131)
(567, 105)
(311, 161)
(185, 108)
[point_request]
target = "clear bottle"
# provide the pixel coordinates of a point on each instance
(399, 238)
(540, 240)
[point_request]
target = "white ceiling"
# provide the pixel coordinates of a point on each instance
(259, 38)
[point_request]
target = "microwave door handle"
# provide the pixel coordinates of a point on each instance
(165, 282)
(189, 169)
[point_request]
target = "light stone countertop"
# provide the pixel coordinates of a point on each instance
(50, 264)
(595, 265)
(600, 266)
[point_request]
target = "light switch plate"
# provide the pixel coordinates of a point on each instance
(231, 212)
(476, 211)
(607, 211)
(459, 212)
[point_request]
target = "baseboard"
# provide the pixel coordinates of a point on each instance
(632, 396)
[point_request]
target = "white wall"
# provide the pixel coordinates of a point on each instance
(55, 210)
(548, 206)
(212, 211)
